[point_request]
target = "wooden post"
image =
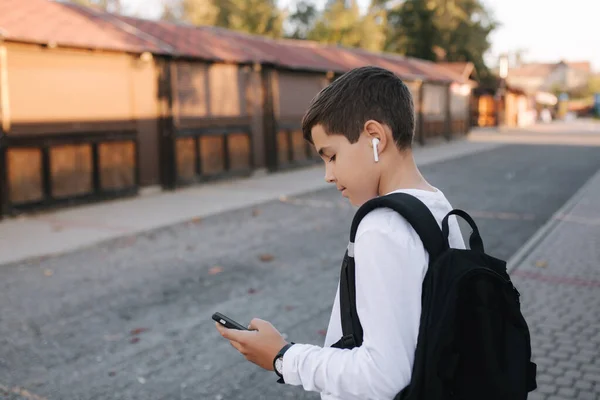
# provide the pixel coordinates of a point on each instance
(470, 120)
(448, 116)
(3, 175)
(96, 185)
(4, 127)
(269, 119)
(46, 173)
(167, 160)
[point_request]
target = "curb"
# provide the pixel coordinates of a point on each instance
(521, 255)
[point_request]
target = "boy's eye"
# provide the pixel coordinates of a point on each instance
(332, 158)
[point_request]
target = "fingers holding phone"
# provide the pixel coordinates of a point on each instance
(259, 343)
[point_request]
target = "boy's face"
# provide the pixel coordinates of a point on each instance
(350, 167)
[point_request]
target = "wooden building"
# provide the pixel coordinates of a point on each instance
(96, 106)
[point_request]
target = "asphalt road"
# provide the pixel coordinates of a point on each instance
(130, 318)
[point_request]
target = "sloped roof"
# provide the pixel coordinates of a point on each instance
(221, 44)
(585, 66)
(197, 42)
(544, 69)
(68, 25)
(462, 68)
(48, 22)
(532, 70)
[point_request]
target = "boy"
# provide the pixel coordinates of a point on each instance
(362, 125)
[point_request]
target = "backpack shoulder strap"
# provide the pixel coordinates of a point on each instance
(415, 212)
(424, 223)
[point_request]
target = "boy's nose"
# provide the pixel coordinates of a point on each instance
(329, 177)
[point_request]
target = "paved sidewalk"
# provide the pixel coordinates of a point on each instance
(582, 132)
(558, 276)
(68, 229)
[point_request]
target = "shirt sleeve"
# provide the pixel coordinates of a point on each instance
(389, 276)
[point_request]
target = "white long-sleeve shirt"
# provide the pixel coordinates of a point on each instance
(390, 264)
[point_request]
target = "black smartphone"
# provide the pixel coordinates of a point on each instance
(228, 322)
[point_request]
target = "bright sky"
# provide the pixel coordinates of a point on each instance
(567, 30)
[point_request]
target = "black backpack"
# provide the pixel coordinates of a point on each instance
(473, 341)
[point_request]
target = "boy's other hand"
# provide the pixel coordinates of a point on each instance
(260, 345)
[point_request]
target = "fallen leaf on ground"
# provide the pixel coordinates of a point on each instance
(289, 308)
(134, 340)
(48, 272)
(541, 263)
(255, 212)
(322, 332)
(137, 331)
(266, 257)
(196, 220)
(112, 373)
(252, 291)
(215, 270)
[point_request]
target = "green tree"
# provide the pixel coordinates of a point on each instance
(261, 17)
(373, 27)
(451, 30)
(585, 91)
(303, 19)
(594, 84)
(412, 30)
(465, 26)
(108, 5)
(170, 13)
(342, 23)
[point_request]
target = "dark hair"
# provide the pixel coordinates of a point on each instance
(359, 95)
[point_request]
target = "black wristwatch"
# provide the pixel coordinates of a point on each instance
(278, 362)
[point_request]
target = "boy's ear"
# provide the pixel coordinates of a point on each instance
(373, 129)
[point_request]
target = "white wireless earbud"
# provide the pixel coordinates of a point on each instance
(375, 153)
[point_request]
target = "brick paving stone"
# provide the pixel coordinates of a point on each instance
(569, 364)
(555, 371)
(573, 374)
(536, 396)
(564, 381)
(587, 396)
(592, 378)
(568, 392)
(544, 378)
(589, 368)
(547, 388)
(583, 385)
(583, 358)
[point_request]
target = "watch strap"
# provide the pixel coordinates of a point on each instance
(280, 355)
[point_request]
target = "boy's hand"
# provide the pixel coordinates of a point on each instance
(260, 345)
